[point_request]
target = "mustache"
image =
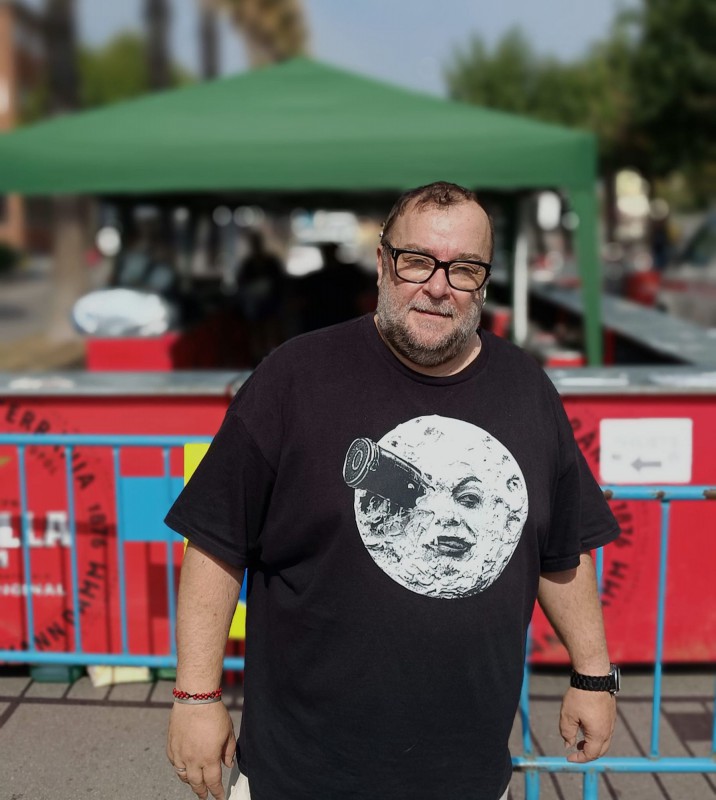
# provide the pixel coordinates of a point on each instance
(444, 309)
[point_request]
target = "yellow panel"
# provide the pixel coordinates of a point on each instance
(238, 623)
(193, 453)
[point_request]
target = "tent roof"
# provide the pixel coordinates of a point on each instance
(300, 125)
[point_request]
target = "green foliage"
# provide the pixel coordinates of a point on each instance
(648, 91)
(513, 78)
(115, 72)
(118, 71)
(674, 76)
(591, 93)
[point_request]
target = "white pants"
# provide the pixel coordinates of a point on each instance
(240, 789)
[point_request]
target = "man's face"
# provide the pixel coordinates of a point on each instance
(431, 323)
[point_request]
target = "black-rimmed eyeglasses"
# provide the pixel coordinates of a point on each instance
(415, 267)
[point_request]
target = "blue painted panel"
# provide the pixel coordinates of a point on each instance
(145, 502)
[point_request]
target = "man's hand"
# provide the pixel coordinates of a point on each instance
(200, 738)
(571, 602)
(595, 713)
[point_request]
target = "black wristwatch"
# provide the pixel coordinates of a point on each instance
(598, 683)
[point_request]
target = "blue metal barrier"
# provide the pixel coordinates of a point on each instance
(532, 765)
(79, 655)
(529, 763)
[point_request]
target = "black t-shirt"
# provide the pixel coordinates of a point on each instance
(394, 527)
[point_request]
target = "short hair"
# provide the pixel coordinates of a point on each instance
(440, 194)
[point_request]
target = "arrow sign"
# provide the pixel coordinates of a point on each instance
(646, 450)
(638, 464)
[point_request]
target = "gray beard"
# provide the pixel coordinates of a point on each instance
(395, 332)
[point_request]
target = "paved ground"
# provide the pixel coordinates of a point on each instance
(64, 742)
(25, 295)
(25, 301)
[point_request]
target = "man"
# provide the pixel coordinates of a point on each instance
(378, 668)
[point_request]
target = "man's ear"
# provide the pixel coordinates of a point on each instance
(379, 263)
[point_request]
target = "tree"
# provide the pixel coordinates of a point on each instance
(607, 84)
(674, 79)
(119, 71)
(513, 78)
(648, 91)
(208, 41)
(591, 93)
(502, 79)
(157, 18)
(61, 48)
(274, 30)
(69, 228)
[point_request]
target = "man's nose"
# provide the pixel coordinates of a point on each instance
(438, 285)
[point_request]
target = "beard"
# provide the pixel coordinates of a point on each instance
(392, 323)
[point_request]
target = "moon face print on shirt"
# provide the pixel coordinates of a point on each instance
(439, 503)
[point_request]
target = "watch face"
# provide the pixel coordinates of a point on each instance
(617, 678)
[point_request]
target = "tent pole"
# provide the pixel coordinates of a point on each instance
(584, 203)
(520, 275)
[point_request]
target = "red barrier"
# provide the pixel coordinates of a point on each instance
(96, 521)
(631, 563)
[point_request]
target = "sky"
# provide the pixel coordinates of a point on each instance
(406, 42)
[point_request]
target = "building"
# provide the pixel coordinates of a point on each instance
(24, 223)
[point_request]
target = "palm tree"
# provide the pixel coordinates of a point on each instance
(157, 18)
(61, 47)
(274, 30)
(208, 40)
(69, 231)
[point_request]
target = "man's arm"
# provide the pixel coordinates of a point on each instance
(202, 736)
(571, 602)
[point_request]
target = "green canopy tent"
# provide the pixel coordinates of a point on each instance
(304, 126)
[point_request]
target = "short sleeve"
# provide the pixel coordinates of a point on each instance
(598, 525)
(223, 506)
(581, 518)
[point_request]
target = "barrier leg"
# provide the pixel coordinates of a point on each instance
(590, 786)
(531, 785)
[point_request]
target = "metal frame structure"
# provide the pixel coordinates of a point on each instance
(530, 764)
(79, 656)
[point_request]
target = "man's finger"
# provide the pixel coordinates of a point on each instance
(569, 731)
(180, 773)
(587, 750)
(195, 779)
(212, 779)
(229, 752)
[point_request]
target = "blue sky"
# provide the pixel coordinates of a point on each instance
(407, 42)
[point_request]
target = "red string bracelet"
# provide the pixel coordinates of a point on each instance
(199, 697)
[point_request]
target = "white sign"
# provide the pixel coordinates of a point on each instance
(649, 450)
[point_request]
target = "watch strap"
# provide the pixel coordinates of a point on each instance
(596, 683)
